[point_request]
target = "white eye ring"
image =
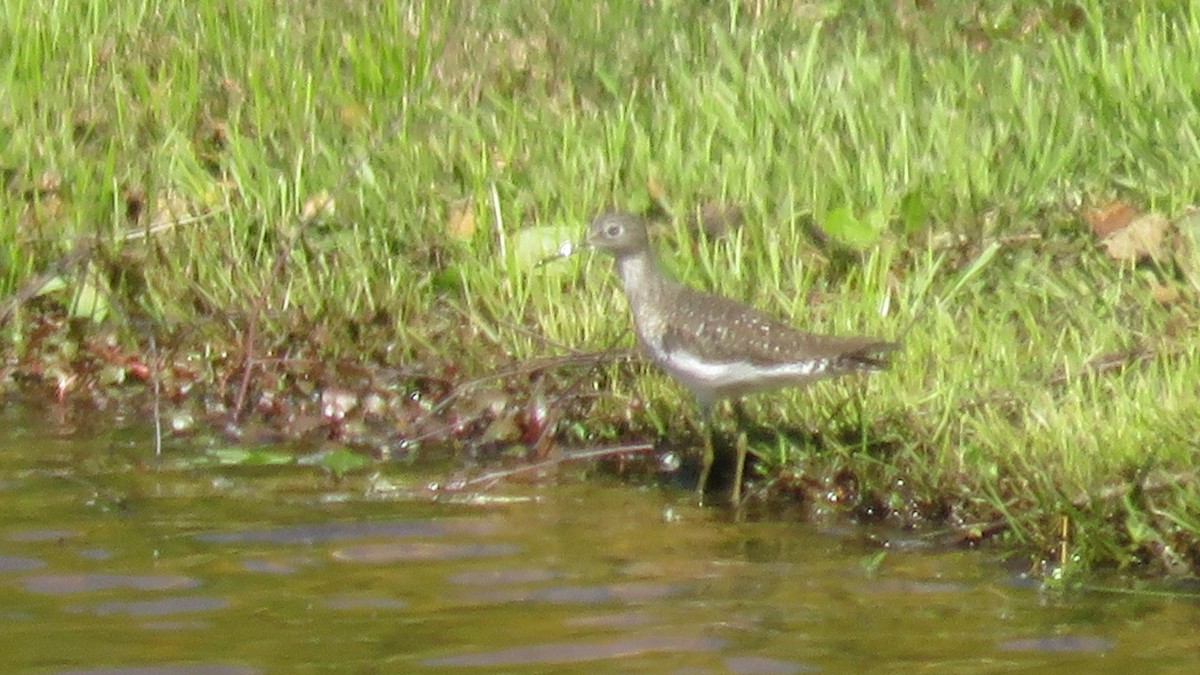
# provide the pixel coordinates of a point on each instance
(613, 230)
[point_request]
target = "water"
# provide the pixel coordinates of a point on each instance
(111, 561)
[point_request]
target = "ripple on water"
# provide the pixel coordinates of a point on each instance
(289, 565)
(95, 554)
(758, 665)
(632, 591)
(181, 669)
(312, 533)
(515, 575)
(159, 607)
(575, 652)
(83, 583)
(351, 602)
(390, 552)
(613, 620)
(42, 534)
(1071, 644)
(20, 563)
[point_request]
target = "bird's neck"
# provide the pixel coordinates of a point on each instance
(641, 277)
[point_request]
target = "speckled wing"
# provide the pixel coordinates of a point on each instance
(723, 330)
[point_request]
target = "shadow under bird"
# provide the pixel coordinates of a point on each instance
(716, 347)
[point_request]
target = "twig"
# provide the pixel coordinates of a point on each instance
(154, 378)
(1107, 363)
(583, 456)
(83, 249)
(589, 359)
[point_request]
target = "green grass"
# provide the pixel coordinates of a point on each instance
(945, 152)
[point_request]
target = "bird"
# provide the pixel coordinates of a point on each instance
(716, 347)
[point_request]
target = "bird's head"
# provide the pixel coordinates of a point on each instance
(618, 233)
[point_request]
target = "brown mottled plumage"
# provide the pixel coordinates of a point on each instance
(716, 347)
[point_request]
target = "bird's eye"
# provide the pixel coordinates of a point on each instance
(613, 231)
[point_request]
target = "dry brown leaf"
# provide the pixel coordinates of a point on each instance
(135, 203)
(317, 206)
(1143, 238)
(717, 219)
(1165, 294)
(171, 208)
(657, 193)
(353, 115)
(1109, 218)
(1187, 245)
(461, 223)
(49, 183)
(41, 211)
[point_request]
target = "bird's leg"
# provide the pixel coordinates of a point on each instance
(709, 454)
(743, 445)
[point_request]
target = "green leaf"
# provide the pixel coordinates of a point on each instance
(90, 302)
(249, 457)
(52, 285)
(533, 246)
(843, 225)
(871, 563)
(914, 212)
(342, 461)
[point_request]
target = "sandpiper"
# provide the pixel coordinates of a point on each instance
(716, 347)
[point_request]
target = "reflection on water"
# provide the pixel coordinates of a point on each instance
(109, 564)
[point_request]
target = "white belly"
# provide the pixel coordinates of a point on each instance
(710, 381)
